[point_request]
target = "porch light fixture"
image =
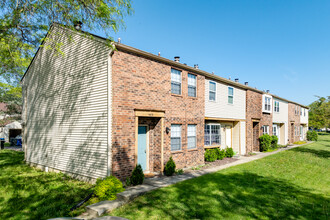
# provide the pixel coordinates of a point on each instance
(167, 130)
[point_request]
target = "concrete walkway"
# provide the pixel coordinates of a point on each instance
(98, 209)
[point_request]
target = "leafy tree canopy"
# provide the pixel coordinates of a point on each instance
(24, 23)
(319, 113)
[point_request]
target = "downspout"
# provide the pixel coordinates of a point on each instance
(109, 114)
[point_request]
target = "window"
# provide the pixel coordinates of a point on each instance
(230, 95)
(304, 112)
(191, 136)
(212, 91)
(176, 81)
(175, 137)
(265, 129)
(267, 103)
(191, 85)
(300, 111)
(275, 131)
(276, 106)
(295, 130)
(295, 110)
(301, 130)
(212, 134)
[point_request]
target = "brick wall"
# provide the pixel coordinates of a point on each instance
(254, 113)
(293, 120)
(141, 83)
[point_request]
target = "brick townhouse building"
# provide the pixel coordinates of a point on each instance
(97, 111)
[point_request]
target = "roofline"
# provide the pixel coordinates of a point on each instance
(130, 49)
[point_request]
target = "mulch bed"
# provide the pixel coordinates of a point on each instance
(219, 162)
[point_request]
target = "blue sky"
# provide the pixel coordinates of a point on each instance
(283, 46)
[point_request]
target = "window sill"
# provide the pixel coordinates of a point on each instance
(191, 97)
(176, 95)
(213, 146)
(177, 151)
(194, 149)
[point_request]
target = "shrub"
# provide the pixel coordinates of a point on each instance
(137, 176)
(300, 142)
(274, 142)
(7, 144)
(108, 188)
(312, 136)
(210, 155)
(265, 142)
(169, 167)
(179, 172)
(222, 154)
(229, 152)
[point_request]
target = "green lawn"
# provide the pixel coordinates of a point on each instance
(26, 193)
(292, 184)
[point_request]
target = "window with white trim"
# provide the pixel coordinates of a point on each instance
(191, 134)
(230, 95)
(304, 112)
(175, 81)
(175, 137)
(275, 130)
(212, 135)
(212, 91)
(276, 106)
(192, 85)
(267, 103)
(265, 129)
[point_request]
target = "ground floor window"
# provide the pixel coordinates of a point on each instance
(175, 137)
(265, 129)
(191, 136)
(212, 134)
(275, 130)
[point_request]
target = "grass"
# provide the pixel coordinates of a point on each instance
(27, 193)
(293, 184)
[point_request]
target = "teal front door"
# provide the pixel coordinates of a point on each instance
(142, 147)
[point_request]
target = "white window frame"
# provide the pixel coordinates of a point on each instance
(176, 82)
(275, 128)
(215, 91)
(276, 106)
(229, 87)
(265, 129)
(192, 86)
(189, 135)
(175, 136)
(210, 124)
(267, 103)
(300, 111)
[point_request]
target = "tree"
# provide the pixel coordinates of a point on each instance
(319, 113)
(24, 23)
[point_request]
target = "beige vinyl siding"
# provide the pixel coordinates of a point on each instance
(66, 100)
(220, 108)
(304, 119)
(243, 138)
(281, 117)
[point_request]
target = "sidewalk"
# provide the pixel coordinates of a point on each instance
(98, 209)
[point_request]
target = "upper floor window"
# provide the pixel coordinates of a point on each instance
(175, 137)
(300, 111)
(276, 106)
(304, 112)
(230, 95)
(267, 103)
(191, 136)
(191, 85)
(265, 129)
(176, 81)
(212, 134)
(212, 91)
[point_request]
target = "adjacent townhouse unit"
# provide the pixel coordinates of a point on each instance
(224, 115)
(96, 111)
(298, 122)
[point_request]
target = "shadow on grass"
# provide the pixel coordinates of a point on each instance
(238, 195)
(26, 193)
